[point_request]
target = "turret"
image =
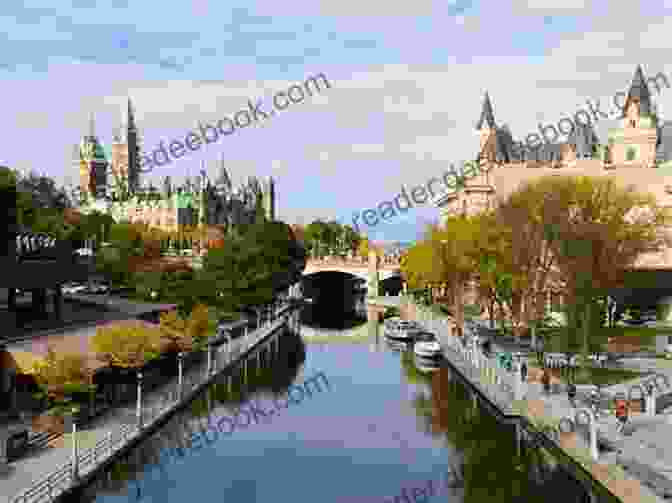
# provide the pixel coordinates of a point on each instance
(133, 144)
(486, 124)
(223, 183)
(93, 164)
(638, 102)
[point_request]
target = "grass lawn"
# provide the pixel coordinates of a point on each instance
(598, 375)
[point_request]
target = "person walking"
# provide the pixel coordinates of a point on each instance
(622, 412)
(540, 350)
(523, 371)
(546, 381)
(571, 394)
(487, 347)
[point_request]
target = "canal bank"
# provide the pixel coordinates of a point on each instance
(537, 418)
(114, 435)
(387, 426)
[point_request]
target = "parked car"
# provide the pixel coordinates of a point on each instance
(427, 345)
(72, 288)
(98, 288)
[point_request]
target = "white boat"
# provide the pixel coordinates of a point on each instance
(401, 330)
(425, 365)
(427, 346)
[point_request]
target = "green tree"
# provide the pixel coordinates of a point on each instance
(601, 230)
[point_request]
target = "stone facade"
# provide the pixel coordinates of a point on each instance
(634, 155)
(114, 188)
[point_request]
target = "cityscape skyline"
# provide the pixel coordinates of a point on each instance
(387, 121)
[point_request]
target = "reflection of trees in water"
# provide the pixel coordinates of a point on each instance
(413, 375)
(175, 436)
(487, 462)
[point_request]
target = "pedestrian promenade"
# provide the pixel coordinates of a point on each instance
(26, 471)
(556, 406)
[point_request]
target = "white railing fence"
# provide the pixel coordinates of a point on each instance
(89, 459)
(502, 387)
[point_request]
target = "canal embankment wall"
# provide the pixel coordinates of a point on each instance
(130, 436)
(498, 398)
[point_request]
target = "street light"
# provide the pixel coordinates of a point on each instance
(75, 458)
(180, 357)
(138, 411)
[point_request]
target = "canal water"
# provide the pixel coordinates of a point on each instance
(348, 419)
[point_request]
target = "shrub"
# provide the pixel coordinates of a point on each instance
(127, 344)
(59, 376)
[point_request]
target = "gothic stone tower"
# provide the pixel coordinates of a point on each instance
(635, 144)
(487, 129)
(92, 164)
(126, 154)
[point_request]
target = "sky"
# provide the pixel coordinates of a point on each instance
(407, 83)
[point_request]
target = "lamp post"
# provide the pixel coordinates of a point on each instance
(651, 399)
(180, 357)
(138, 411)
(75, 457)
(592, 425)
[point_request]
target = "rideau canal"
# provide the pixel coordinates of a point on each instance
(376, 427)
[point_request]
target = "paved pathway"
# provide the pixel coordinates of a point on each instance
(645, 447)
(26, 471)
(648, 463)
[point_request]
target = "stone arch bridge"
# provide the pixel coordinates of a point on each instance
(372, 271)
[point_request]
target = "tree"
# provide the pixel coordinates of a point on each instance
(43, 192)
(351, 238)
(363, 248)
(603, 230)
(525, 255)
(174, 329)
(127, 344)
(59, 376)
(456, 246)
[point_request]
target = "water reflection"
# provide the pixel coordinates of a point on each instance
(143, 473)
(359, 445)
(490, 465)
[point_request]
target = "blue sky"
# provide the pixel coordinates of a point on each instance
(407, 84)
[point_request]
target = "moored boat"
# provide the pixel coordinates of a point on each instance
(427, 346)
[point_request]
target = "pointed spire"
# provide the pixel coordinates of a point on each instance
(92, 126)
(130, 118)
(486, 114)
(223, 180)
(639, 90)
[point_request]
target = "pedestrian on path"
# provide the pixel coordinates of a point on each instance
(622, 413)
(540, 350)
(546, 381)
(523, 371)
(571, 394)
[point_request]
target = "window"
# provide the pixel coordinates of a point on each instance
(632, 123)
(631, 154)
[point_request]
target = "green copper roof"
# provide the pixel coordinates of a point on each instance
(91, 148)
(185, 200)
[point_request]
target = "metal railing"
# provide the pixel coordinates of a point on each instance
(67, 476)
(501, 386)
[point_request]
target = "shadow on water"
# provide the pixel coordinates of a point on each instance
(325, 315)
(488, 465)
(131, 476)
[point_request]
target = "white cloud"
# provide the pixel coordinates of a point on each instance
(550, 7)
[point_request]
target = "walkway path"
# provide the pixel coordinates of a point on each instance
(26, 471)
(557, 406)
